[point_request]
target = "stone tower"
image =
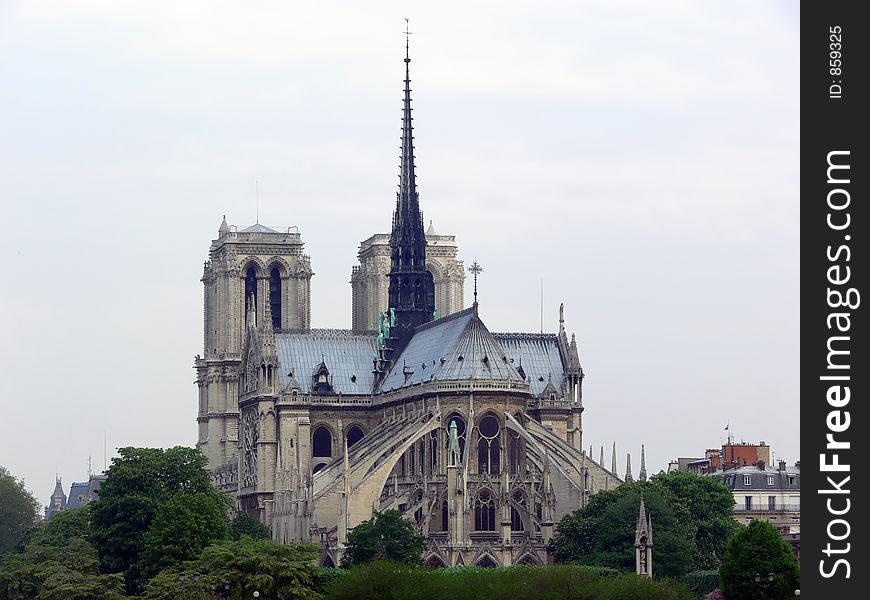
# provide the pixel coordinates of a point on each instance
(643, 542)
(260, 268)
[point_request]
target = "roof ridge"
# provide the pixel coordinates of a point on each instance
(447, 319)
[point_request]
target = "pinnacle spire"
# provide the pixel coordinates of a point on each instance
(412, 291)
(642, 475)
(628, 476)
(613, 460)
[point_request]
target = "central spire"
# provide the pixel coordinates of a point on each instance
(412, 291)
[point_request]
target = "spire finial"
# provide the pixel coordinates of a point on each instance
(642, 475)
(475, 269)
(407, 40)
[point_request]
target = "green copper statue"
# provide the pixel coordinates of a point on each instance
(453, 446)
(436, 315)
(392, 317)
(385, 326)
(381, 340)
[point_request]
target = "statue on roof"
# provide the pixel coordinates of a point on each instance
(385, 325)
(436, 315)
(392, 317)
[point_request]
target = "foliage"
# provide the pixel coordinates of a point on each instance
(62, 528)
(245, 524)
(182, 527)
(47, 572)
(397, 581)
(691, 524)
(758, 549)
(139, 482)
(702, 582)
(602, 533)
(716, 594)
(387, 536)
(19, 511)
(324, 576)
(275, 570)
(705, 510)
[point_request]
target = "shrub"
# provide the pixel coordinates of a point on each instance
(702, 582)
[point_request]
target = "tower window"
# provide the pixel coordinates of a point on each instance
(484, 512)
(275, 297)
(354, 434)
(250, 287)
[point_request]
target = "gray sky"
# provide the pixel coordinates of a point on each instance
(640, 157)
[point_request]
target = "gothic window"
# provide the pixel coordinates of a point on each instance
(515, 451)
(484, 512)
(321, 443)
(275, 297)
(486, 562)
(250, 287)
(354, 434)
(433, 450)
(318, 467)
(460, 433)
(517, 517)
(445, 521)
(487, 447)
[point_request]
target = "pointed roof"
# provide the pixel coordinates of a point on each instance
(642, 475)
(613, 460)
(549, 388)
(644, 525)
(224, 228)
(431, 229)
(257, 228)
(628, 476)
(456, 347)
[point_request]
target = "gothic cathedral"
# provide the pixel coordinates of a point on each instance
(475, 436)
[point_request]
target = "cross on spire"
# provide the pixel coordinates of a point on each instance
(407, 40)
(475, 269)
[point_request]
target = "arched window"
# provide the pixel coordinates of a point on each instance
(354, 434)
(275, 297)
(321, 442)
(484, 512)
(445, 520)
(515, 449)
(487, 447)
(250, 287)
(486, 562)
(318, 467)
(433, 451)
(518, 517)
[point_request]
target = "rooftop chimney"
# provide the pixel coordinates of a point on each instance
(782, 465)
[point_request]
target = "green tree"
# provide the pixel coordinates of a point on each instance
(603, 533)
(139, 482)
(245, 524)
(759, 550)
(182, 527)
(19, 511)
(46, 572)
(705, 508)
(275, 570)
(387, 536)
(62, 528)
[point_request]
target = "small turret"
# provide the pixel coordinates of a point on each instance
(642, 475)
(224, 228)
(628, 477)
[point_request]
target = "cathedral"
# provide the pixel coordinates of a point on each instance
(475, 436)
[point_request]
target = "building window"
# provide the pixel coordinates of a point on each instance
(747, 480)
(792, 479)
(771, 503)
(770, 480)
(484, 512)
(250, 288)
(487, 448)
(444, 516)
(321, 442)
(517, 516)
(354, 434)
(747, 502)
(275, 297)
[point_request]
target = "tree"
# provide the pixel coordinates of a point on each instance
(182, 527)
(602, 533)
(69, 572)
(759, 550)
(387, 536)
(62, 528)
(247, 565)
(705, 508)
(245, 524)
(138, 483)
(19, 511)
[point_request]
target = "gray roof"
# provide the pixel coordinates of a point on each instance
(734, 478)
(539, 355)
(456, 348)
(345, 356)
(257, 228)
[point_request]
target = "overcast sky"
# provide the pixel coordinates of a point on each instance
(639, 157)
